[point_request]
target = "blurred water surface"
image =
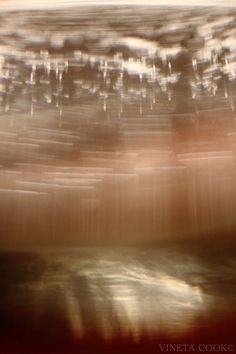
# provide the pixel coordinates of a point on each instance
(167, 293)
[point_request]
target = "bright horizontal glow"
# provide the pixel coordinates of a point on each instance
(16, 4)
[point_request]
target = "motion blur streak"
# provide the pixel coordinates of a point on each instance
(121, 135)
(117, 176)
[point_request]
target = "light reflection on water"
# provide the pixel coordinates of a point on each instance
(132, 292)
(62, 298)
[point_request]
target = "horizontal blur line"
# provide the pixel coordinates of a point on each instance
(13, 5)
(22, 191)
